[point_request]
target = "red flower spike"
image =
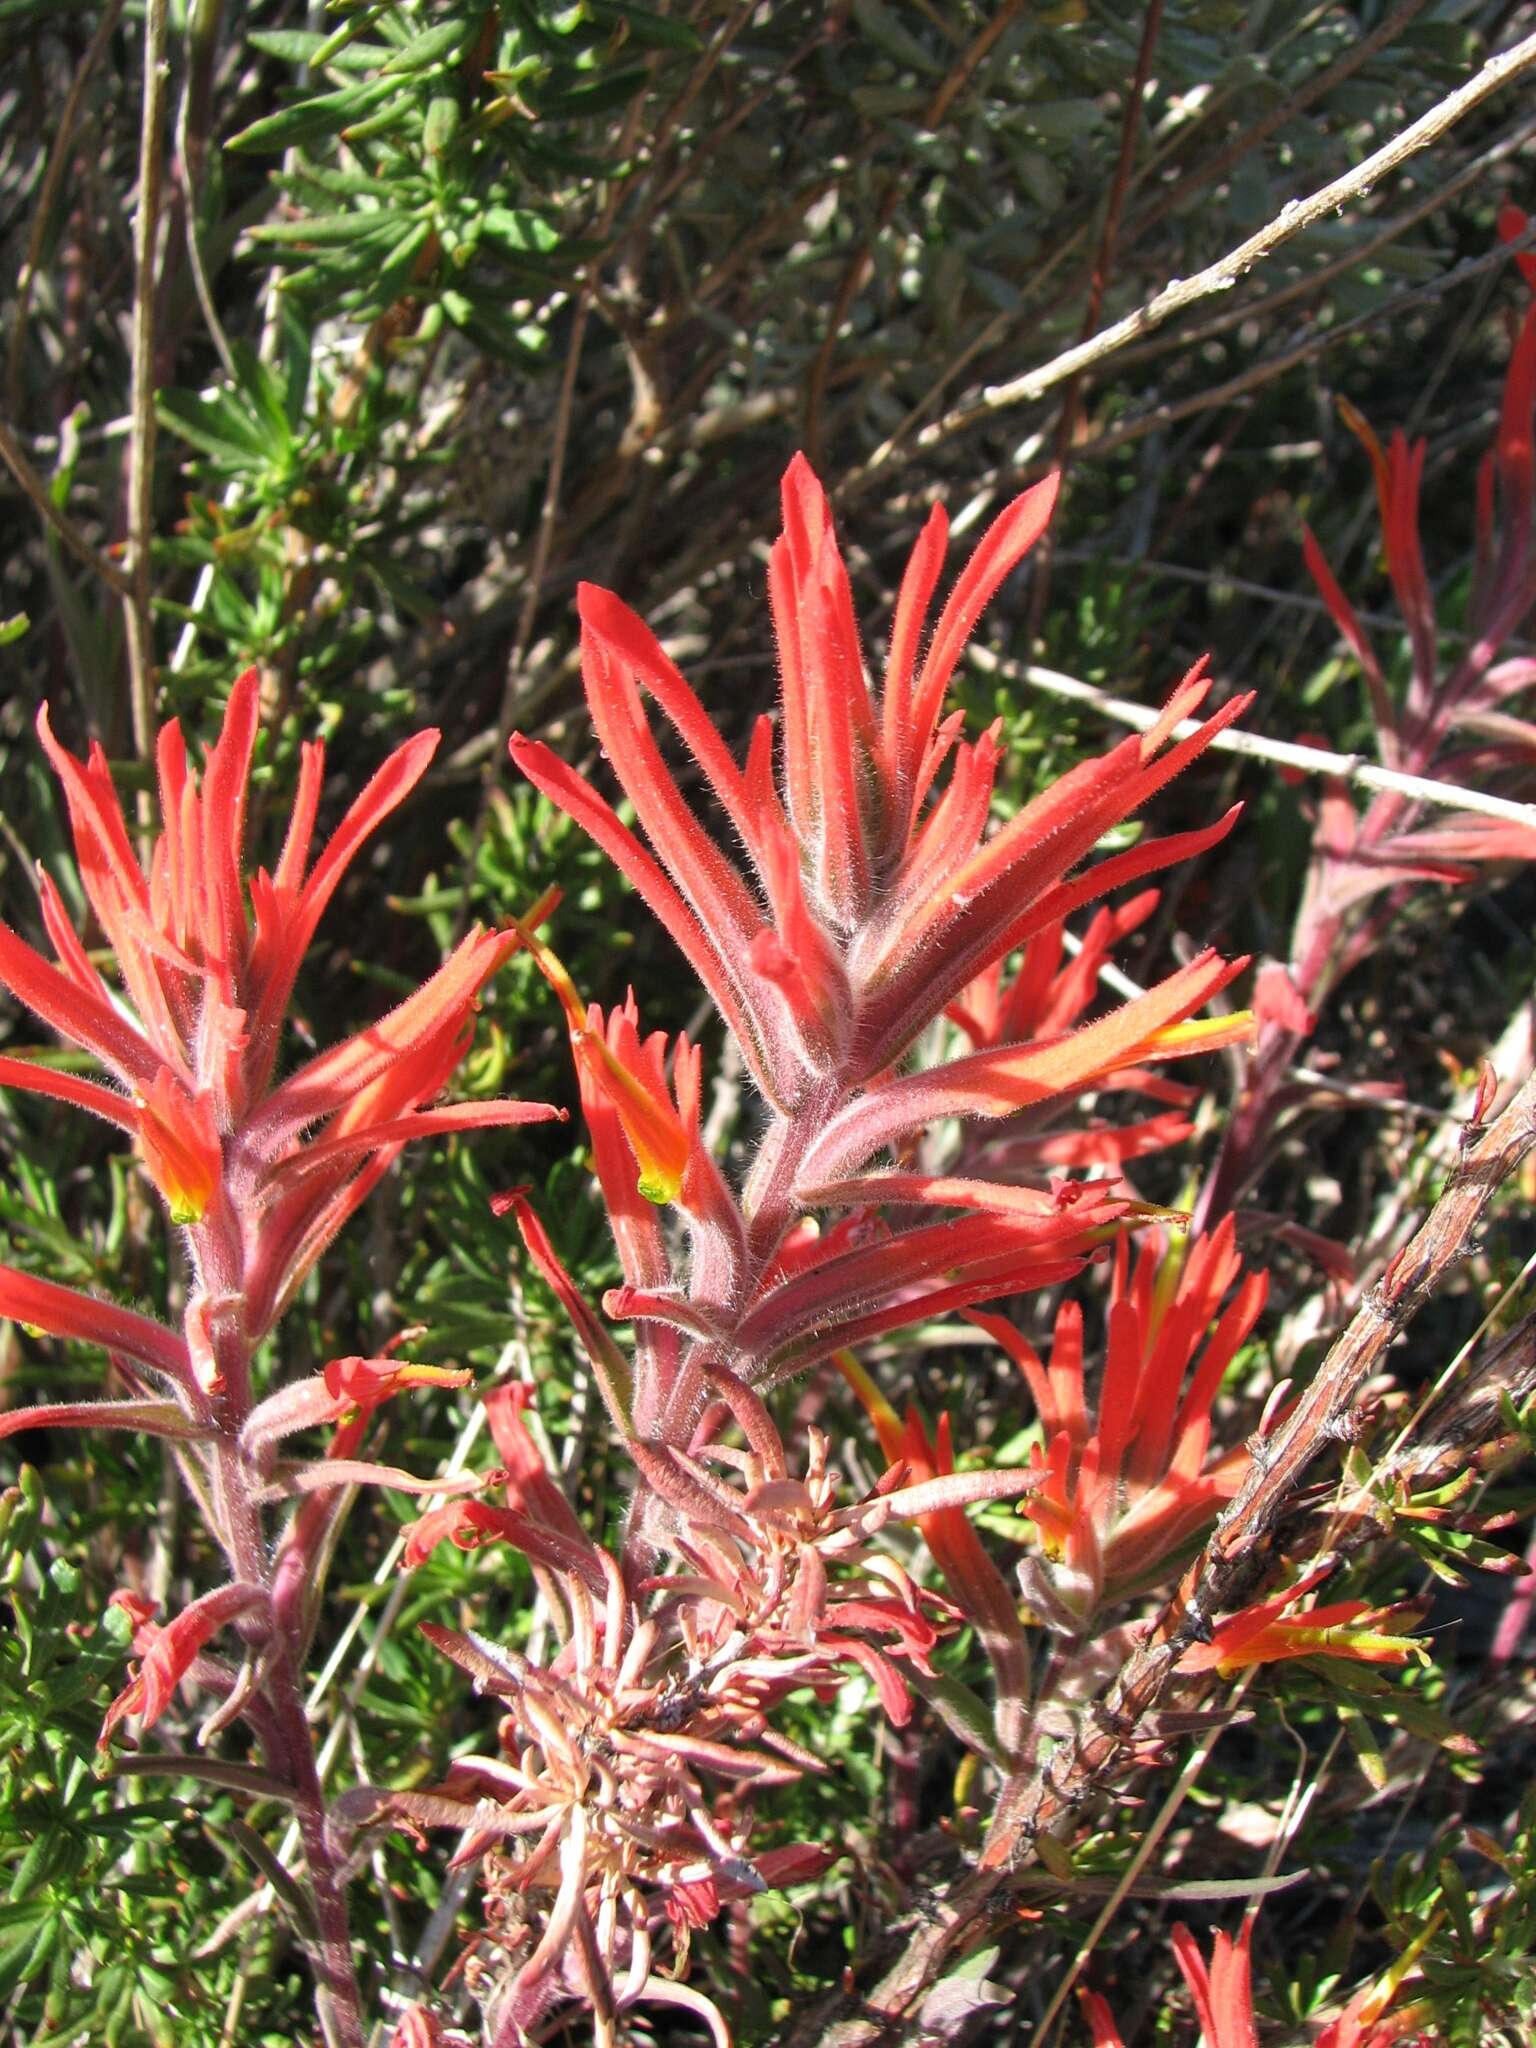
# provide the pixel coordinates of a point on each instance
(261, 1179)
(1367, 864)
(870, 897)
(882, 881)
(1118, 1498)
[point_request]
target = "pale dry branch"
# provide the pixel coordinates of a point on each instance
(1293, 217)
(1039, 1802)
(1351, 768)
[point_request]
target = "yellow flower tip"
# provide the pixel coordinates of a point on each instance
(1361, 428)
(659, 1187)
(1204, 1034)
(179, 1144)
(655, 1131)
(554, 972)
(411, 1375)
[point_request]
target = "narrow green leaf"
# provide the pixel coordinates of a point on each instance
(307, 120)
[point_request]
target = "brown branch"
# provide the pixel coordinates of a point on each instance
(1040, 1802)
(1325, 1413)
(53, 177)
(1098, 284)
(1201, 176)
(32, 484)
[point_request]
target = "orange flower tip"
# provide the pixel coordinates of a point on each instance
(541, 911)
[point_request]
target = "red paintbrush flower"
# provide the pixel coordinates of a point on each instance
(262, 1173)
(1118, 1496)
(876, 896)
(1222, 1991)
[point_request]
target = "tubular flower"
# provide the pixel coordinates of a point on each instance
(262, 1173)
(1268, 1632)
(1222, 1991)
(1116, 1497)
(975, 1584)
(1045, 995)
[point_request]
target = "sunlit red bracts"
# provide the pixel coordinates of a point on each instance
(1119, 1493)
(1452, 722)
(261, 1171)
(874, 897)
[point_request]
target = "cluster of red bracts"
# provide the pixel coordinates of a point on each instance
(876, 901)
(259, 1172)
(878, 916)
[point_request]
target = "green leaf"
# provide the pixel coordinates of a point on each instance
(433, 46)
(308, 120)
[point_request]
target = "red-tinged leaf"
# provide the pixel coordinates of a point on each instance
(150, 1418)
(500, 1679)
(950, 1191)
(988, 1279)
(1001, 548)
(324, 1475)
(794, 1863)
(639, 1304)
(1101, 2020)
(530, 1486)
(609, 1365)
(1344, 617)
(62, 1312)
(888, 1681)
(471, 1524)
(692, 1492)
(1223, 1994)
(1012, 886)
(597, 818)
(935, 1496)
(725, 1759)
(37, 1079)
(274, 967)
(406, 1130)
(172, 1651)
(999, 1080)
(1100, 1144)
(710, 884)
(334, 1079)
(74, 1012)
(632, 642)
(919, 581)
